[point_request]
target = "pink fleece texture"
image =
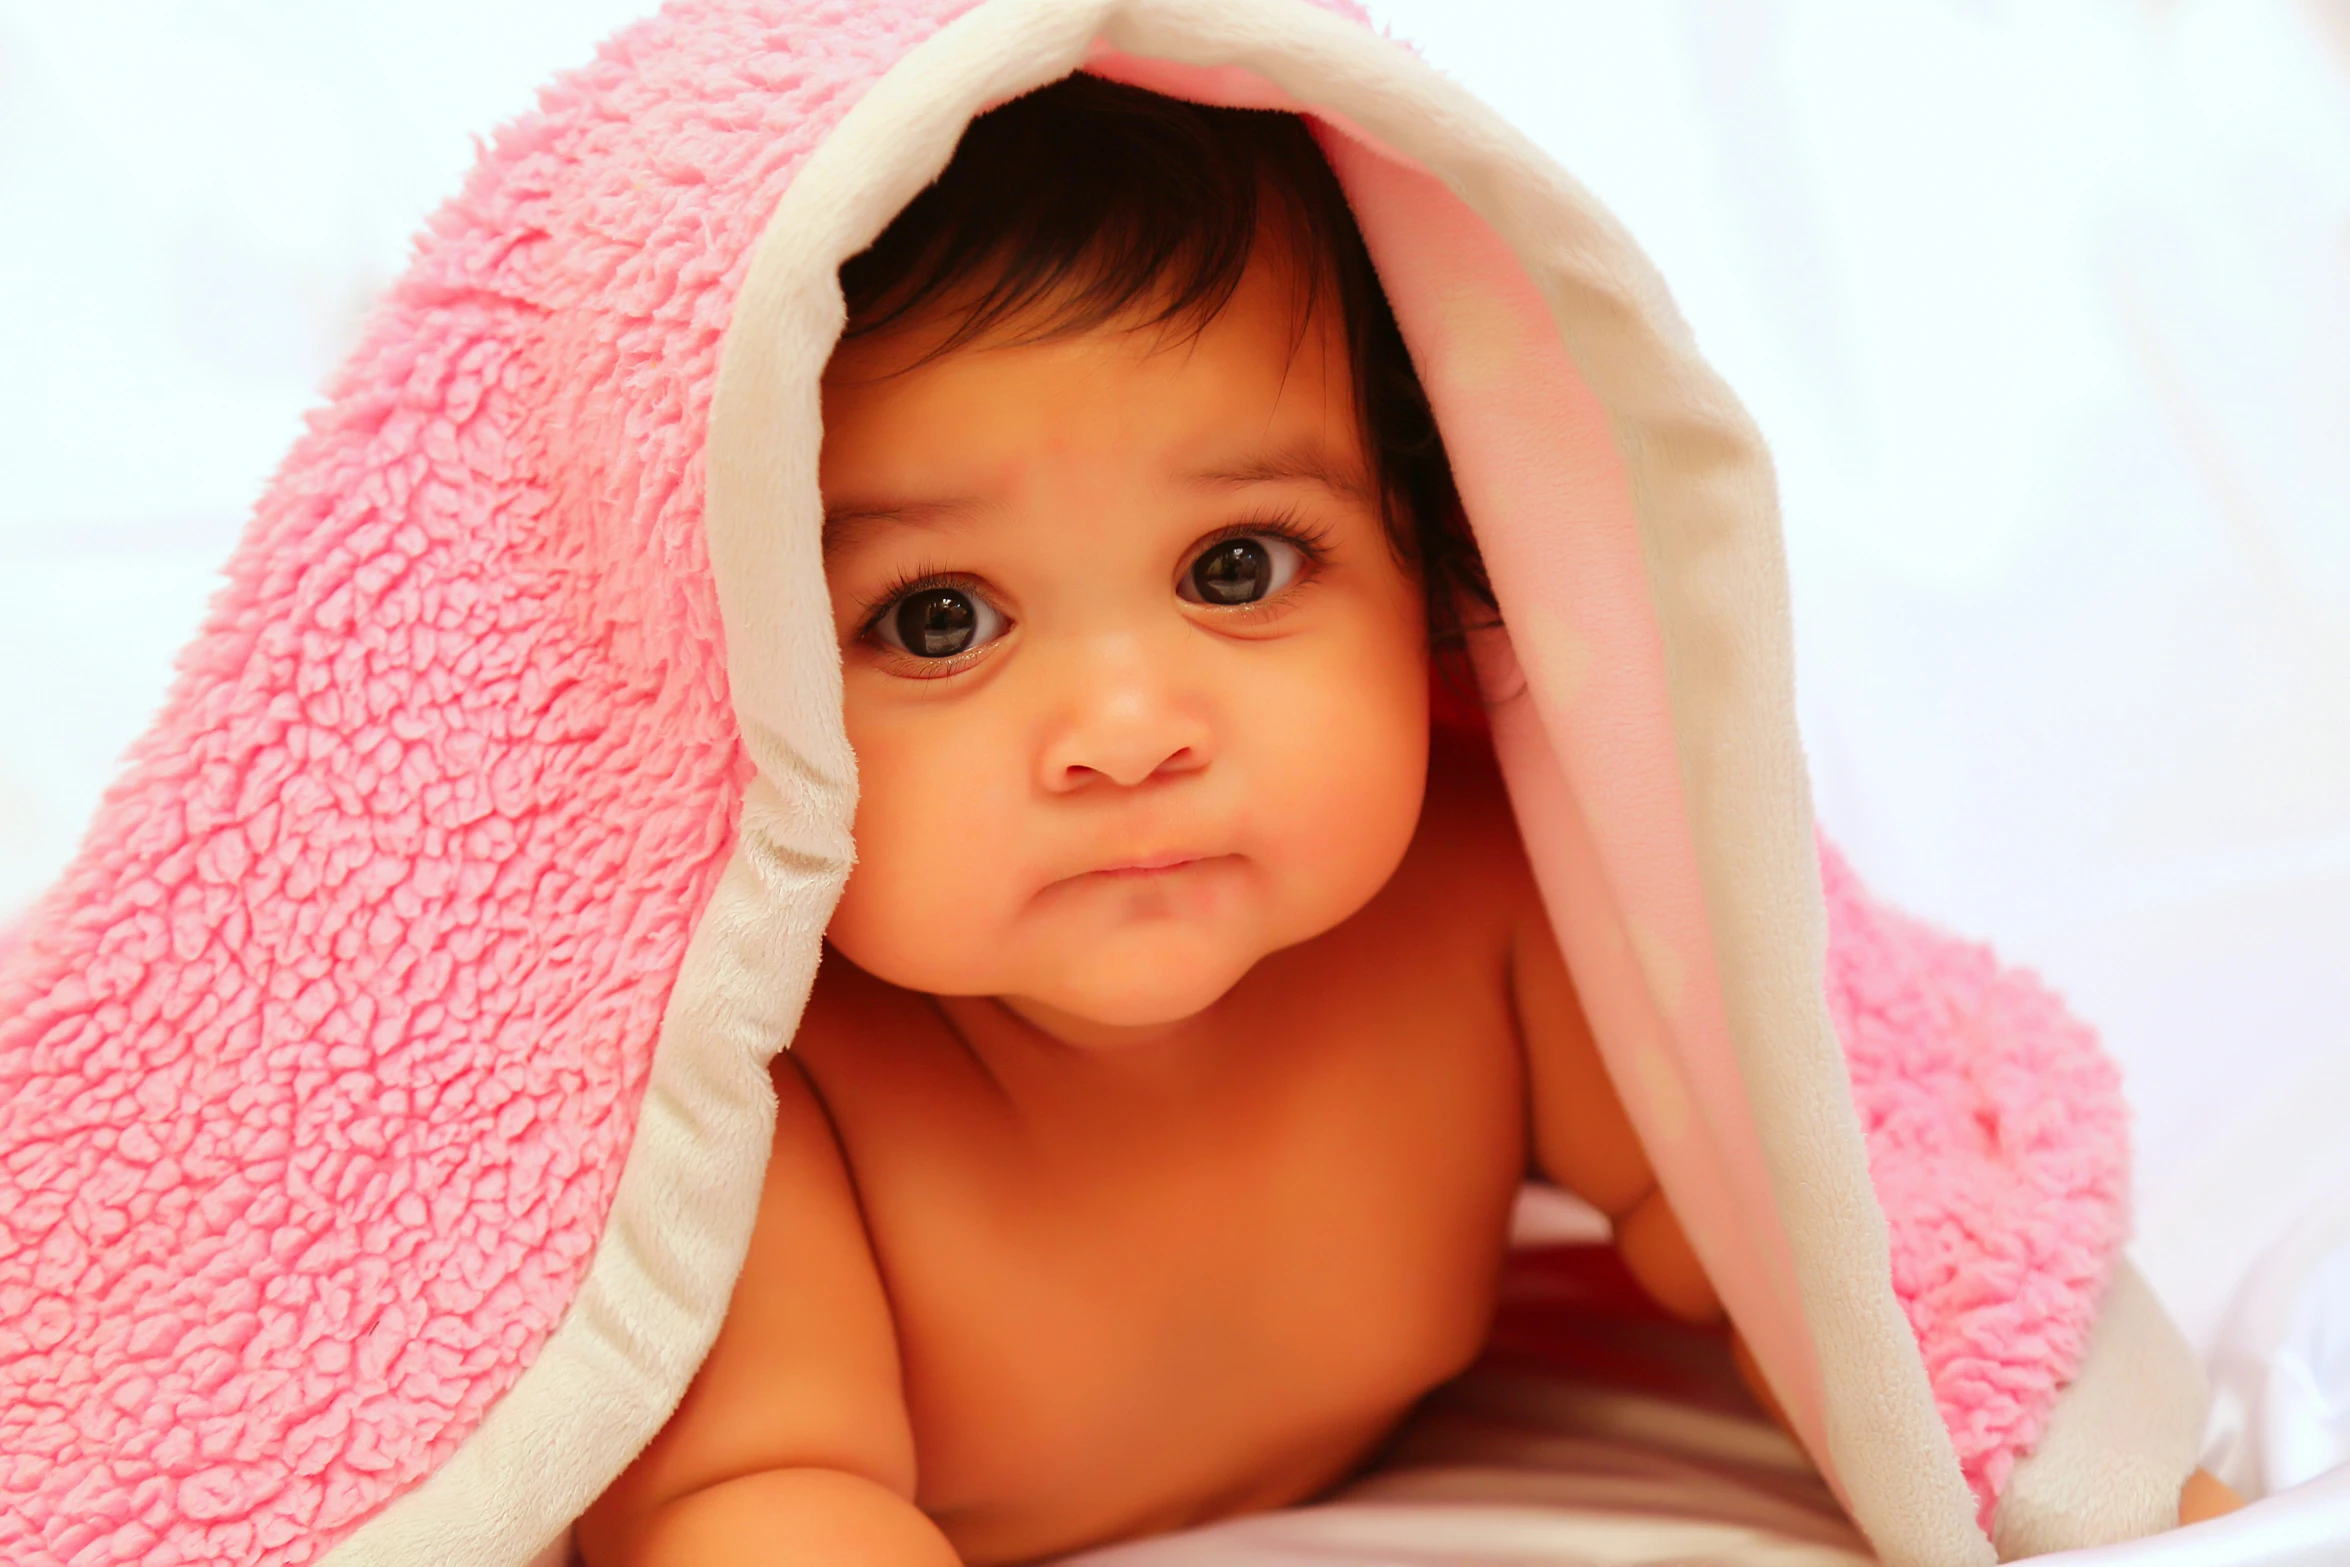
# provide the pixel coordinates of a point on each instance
(1999, 1147)
(318, 1067)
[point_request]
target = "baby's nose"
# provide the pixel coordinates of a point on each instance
(1127, 723)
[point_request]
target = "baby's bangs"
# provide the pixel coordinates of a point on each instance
(1089, 202)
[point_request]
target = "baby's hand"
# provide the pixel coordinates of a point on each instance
(2205, 1496)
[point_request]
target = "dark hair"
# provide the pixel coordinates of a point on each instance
(1088, 202)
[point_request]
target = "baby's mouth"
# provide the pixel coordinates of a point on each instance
(1172, 866)
(1150, 865)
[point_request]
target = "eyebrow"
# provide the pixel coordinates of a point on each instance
(851, 521)
(847, 523)
(1290, 463)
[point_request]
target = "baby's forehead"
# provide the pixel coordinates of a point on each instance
(852, 517)
(915, 421)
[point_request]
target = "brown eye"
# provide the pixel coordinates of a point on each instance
(1244, 569)
(939, 622)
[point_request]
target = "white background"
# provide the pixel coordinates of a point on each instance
(2044, 304)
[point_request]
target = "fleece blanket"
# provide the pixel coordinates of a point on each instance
(382, 1090)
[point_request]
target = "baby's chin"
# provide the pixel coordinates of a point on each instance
(1102, 962)
(1084, 978)
(1130, 992)
(1075, 989)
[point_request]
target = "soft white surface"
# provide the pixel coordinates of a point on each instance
(2305, 1420)
(2280, 1367)
(2045, 308)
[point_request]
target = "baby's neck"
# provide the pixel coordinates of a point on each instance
(1027, 1048)
(1085, 1033)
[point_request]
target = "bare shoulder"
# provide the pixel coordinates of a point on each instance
(804, 1373)
(1582, 1139)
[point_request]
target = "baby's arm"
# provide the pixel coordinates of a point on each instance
(1584, 1142)
(793, 1443)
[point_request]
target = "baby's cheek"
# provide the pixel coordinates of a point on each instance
(1349, 768)
(931, 849)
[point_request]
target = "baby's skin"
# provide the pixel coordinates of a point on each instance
(1189, 1020)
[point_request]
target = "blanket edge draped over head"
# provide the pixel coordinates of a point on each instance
(382, 1091)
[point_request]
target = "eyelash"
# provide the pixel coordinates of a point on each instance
(920, 575)
(1311, 540)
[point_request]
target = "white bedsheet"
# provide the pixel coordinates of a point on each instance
(1529, 1466)
(1604, 1465)
(1511, 1521)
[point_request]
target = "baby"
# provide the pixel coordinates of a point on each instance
(1190, 1020)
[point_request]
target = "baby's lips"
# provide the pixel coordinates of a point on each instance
(1150, 864)
(1140, 867)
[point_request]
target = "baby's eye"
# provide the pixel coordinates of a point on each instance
(1242, 569)
(939, 621)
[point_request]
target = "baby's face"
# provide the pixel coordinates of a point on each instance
(1137, 688)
